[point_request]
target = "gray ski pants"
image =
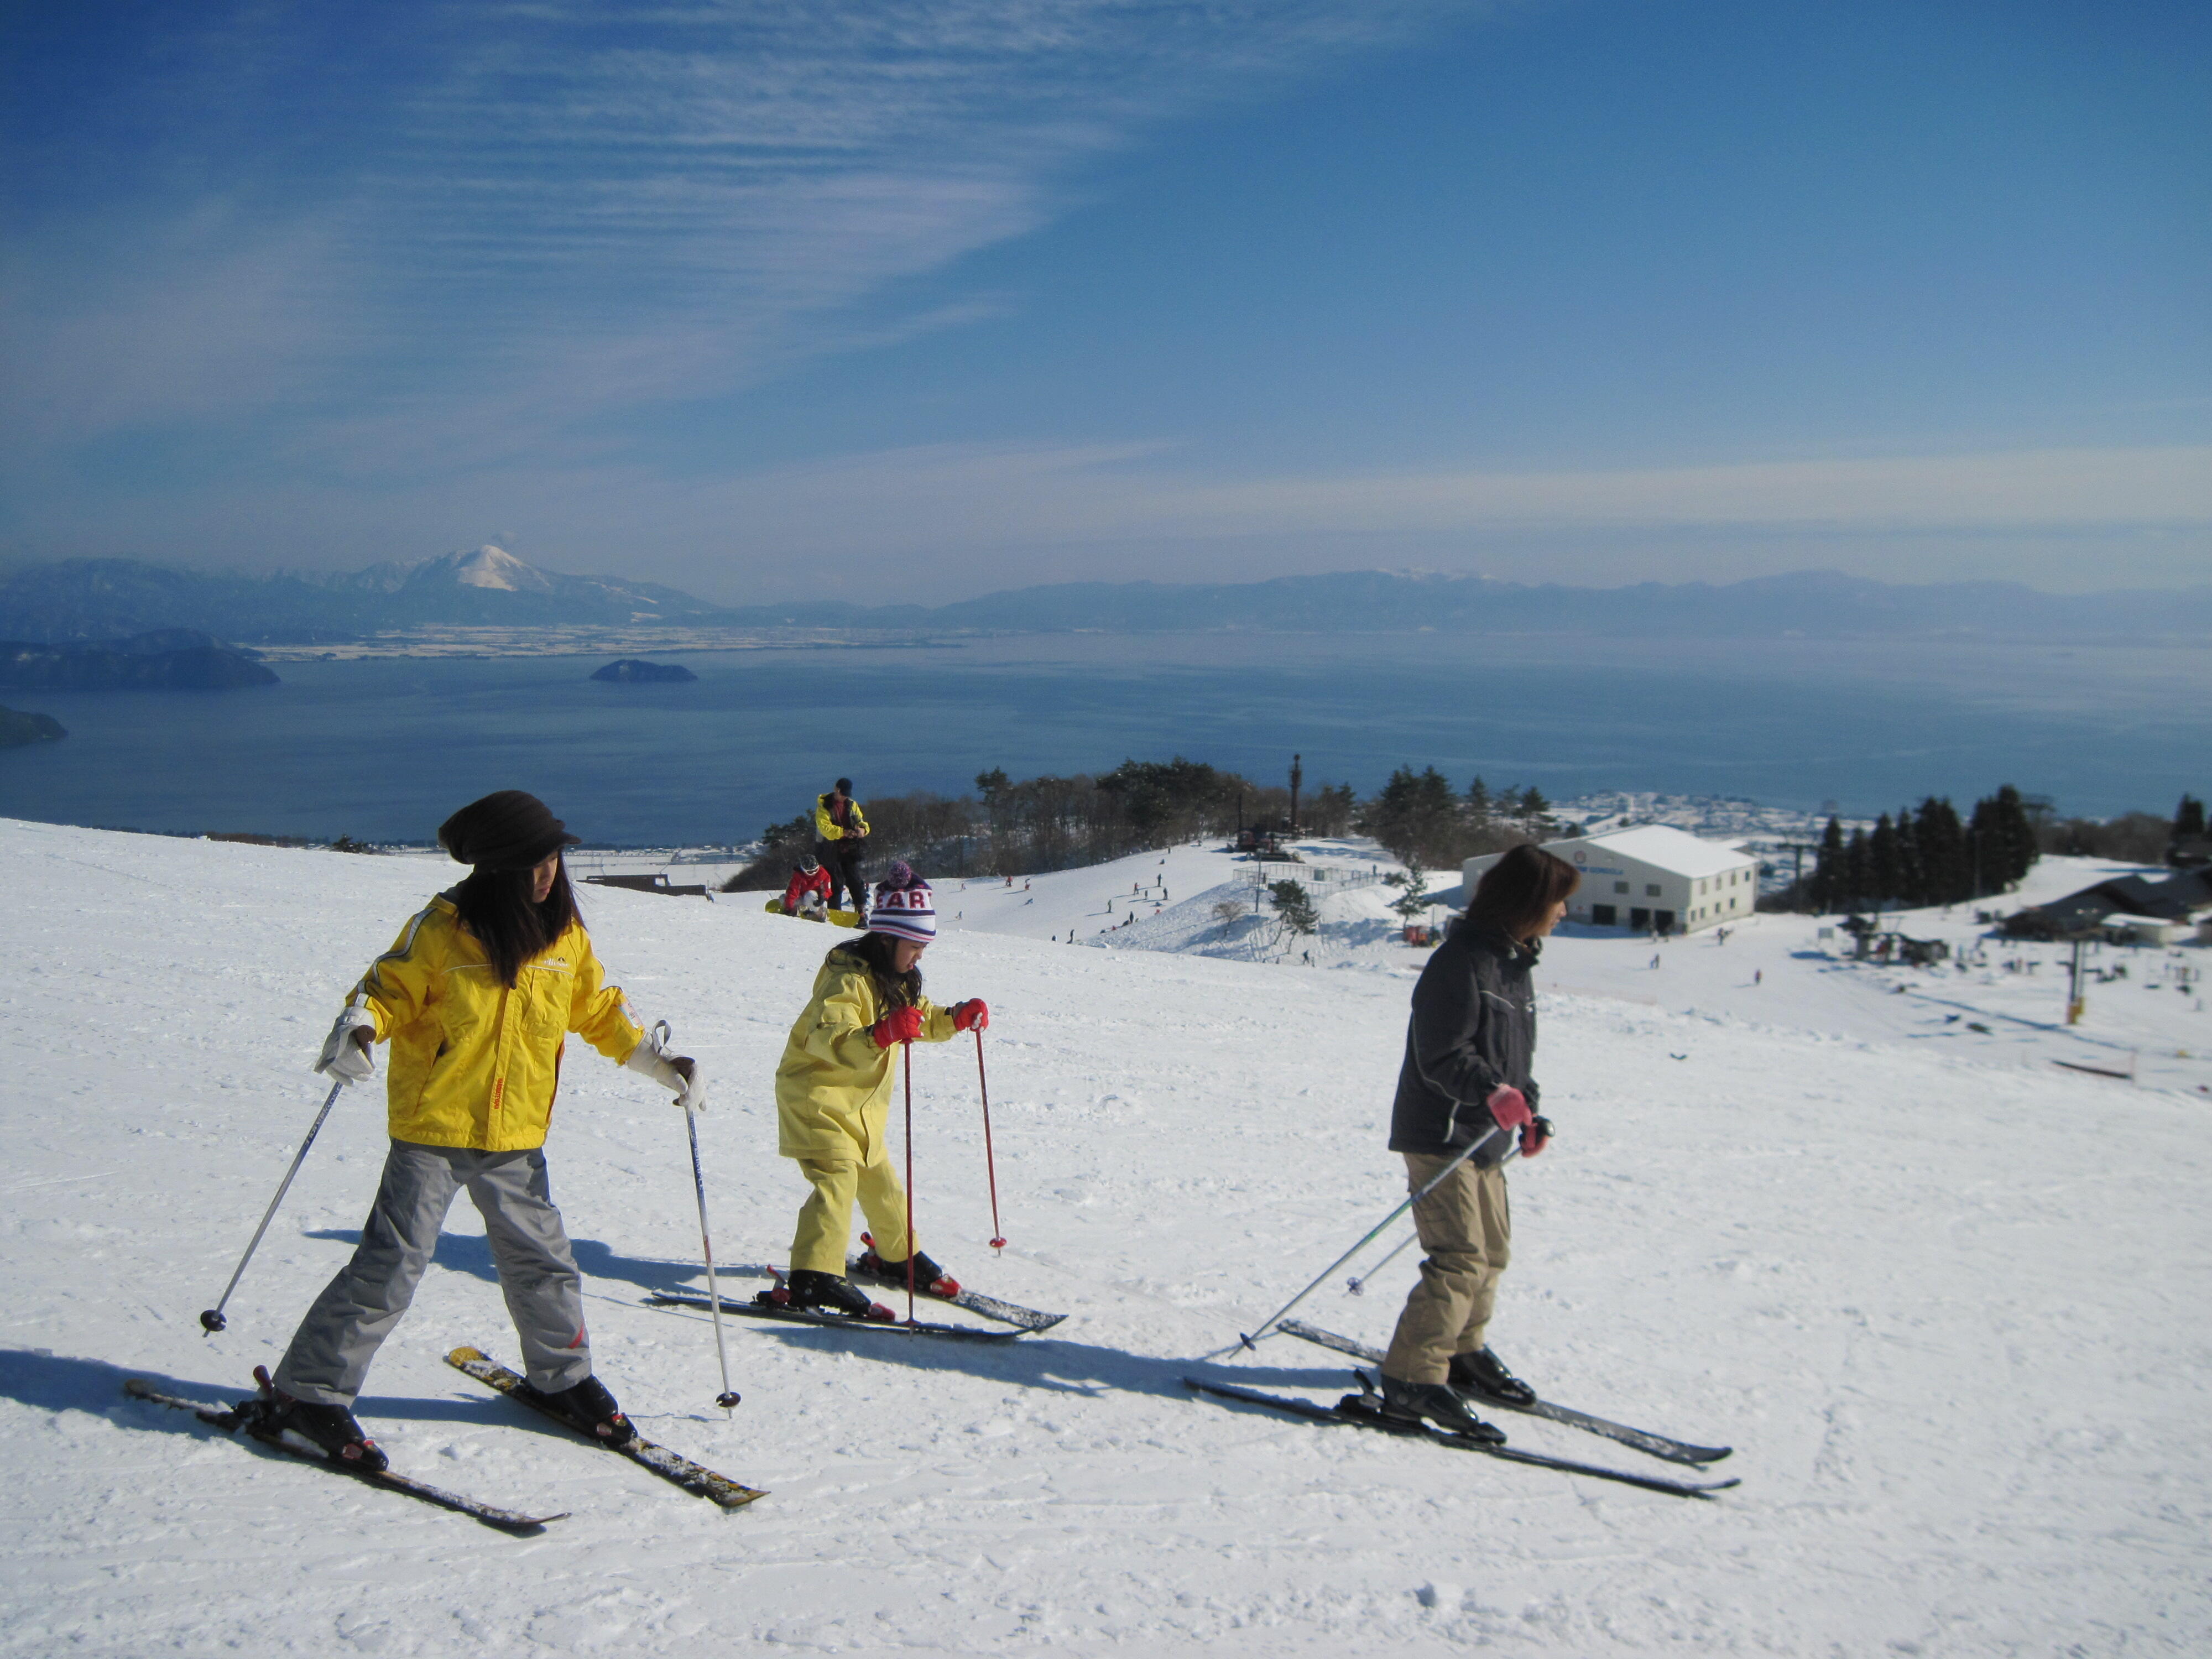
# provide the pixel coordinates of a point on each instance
(330, 1352)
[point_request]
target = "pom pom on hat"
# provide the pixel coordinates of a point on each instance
(904, 906)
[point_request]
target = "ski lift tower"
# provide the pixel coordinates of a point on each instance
(1297, 775)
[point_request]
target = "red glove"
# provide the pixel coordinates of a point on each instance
(1535, 1135)
(970, 1016)
(900, 1025)
(1509, 1107)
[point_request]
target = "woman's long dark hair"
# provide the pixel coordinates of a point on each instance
(496, 908)
(893, 989)
(1517, 893)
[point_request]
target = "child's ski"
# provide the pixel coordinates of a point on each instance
(247, 1415)
(835, 1322)
(670, 1466)
(1006, 1313)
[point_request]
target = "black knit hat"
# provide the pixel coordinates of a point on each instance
(510, 830)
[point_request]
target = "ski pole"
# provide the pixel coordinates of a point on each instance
(211, 1320)
(1356, 1285)
(990, 1163)
(1458, 1159)
(906, 1067)
(728, 1397)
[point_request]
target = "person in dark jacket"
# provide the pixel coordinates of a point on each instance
(1465, 1082)
(840, 835)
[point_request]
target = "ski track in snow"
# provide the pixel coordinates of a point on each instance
(1946, 1302)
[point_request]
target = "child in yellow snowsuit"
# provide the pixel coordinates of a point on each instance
(833, 1094)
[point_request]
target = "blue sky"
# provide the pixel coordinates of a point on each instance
(912, 300)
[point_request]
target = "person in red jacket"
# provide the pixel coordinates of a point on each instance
(808, 894)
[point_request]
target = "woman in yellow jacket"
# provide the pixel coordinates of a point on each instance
(833, 1093)
(476, 997)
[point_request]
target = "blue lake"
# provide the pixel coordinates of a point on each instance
(385, 749)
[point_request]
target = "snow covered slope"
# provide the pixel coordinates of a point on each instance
(1947, 1307)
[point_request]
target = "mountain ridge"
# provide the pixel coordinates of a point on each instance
(101, 600)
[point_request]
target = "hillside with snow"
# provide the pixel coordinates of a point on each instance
(1940, 1294)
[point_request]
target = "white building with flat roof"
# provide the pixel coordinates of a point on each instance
(1650, 880)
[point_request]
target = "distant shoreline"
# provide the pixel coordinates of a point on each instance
(486, 644)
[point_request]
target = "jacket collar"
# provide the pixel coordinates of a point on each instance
(1498, 940)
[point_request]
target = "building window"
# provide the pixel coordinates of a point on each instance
(1651, 890)
(1621, 887)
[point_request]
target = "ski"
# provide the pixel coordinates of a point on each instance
(246, 1415)
(836, 1321)
(989, 1307)
(670, 1466)
(1644, 1440)
(1357, 1410)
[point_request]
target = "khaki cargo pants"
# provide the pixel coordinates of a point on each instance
(1465, 1227)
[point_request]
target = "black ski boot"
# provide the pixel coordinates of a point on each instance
(1482, 1375)
(592, 1409)
(929, 1278)
(831, 1292)
(329, 1429)
(1409, 1403)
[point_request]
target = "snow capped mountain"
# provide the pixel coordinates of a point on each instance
(488, 566)
(99, 599)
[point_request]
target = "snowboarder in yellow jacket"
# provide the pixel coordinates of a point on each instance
(833, 1094)
(476, 997)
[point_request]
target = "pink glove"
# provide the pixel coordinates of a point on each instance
(1535, 1136)
(900, 1025)
(970, 1016)
(1509, 1107)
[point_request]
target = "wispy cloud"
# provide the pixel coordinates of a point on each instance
(515, 213)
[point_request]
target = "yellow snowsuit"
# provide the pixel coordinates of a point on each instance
(474, 1064)
(833, 1092)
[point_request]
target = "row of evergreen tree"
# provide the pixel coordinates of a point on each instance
(1425, 824)
(1924, 856)
(1023, 826)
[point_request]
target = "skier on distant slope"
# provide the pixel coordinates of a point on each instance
(833, 1098)
(1468, 1046)
(475, 996)
(842, 835)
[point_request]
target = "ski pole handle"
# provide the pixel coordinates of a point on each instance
(211, 1320)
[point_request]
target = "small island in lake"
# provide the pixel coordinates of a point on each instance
(636, 670)
(19, 728)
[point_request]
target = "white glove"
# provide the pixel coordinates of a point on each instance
(346, 1049)
(679, 1073)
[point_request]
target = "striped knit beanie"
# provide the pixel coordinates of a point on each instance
(904, 906)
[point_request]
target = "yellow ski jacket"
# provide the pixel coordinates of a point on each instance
(829, 829)
(833, 1090)
(474, 1064)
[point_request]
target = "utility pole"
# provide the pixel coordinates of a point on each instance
(1297, 775)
